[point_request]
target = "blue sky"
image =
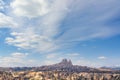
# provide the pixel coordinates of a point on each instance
(42, 32)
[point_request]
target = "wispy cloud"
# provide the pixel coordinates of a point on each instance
(102, 57)
(91, 20)
(16, 59)
(30, 9)
(50, 56)
(18, 54)
(2, 5)
(29, 40)
(6, 21)
(47, 21)
(73, 54)
(56, 22)
(53, 25)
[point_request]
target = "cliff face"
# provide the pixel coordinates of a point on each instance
(64, 63)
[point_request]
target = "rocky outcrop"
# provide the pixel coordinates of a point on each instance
(64, 63)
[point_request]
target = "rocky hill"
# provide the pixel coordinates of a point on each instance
(64, 65)
(64, 70)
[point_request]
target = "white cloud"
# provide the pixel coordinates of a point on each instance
(73, 54)
(31, 40)
(90, 20)
(38, 36)
(67, 20)
(17, 54)
(2, 5)
(88, 63)
(31, 8)
(50, 56)
(53, 20)
(6, 21)
(15, 60)
(49, 62)
(102, 57)
(118, 65)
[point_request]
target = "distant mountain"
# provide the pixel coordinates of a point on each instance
(64, 65)
(111, 68)
(116, 68)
